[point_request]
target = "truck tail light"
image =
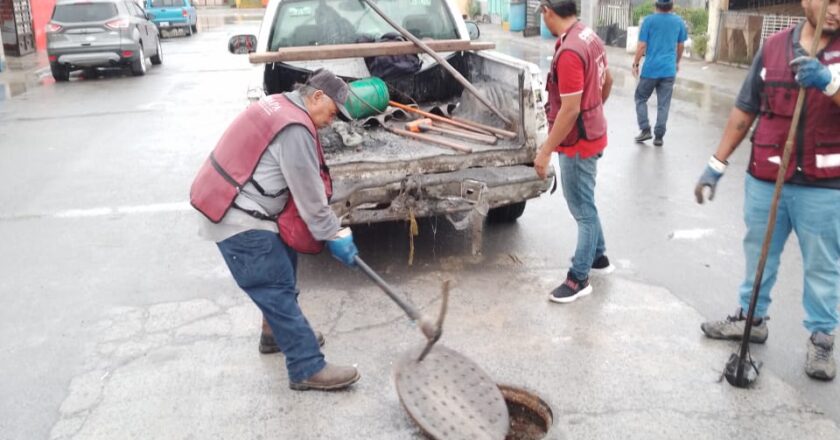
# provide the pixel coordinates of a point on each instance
(127, 53)
(53, 58)
(52, 27)
(120, 23)
(184, 12)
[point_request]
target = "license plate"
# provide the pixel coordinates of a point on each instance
(164, 24)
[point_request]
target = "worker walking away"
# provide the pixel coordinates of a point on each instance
(264, 195)
(809, 204)
(661, 42)
(578, 85)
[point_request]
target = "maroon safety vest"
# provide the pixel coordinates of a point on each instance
(591, 123)
(817, 152)
(232, 163)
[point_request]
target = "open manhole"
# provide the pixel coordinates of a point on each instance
(530, 417)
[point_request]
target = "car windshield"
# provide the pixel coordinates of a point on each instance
(315, 22)
(167, 3)
(83, 12)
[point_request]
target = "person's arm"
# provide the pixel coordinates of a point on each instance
(737, 127)
(564, 121)
(294, 149)
(681, 42)
(570, 85)
(741, 118)
(680, 49)
(641, 48)
(607, 87)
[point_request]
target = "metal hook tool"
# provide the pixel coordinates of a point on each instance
(432, 329)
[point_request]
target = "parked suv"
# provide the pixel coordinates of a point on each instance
(173, 14)
(100, 33)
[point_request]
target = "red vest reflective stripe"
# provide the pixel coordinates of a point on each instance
(817, 151)
(591, 123)
(232, 163)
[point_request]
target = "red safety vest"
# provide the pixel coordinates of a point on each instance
(817, 152)
(591, 123)
(232, 163)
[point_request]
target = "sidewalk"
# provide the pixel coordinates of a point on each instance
(22, 73)
(721, 78)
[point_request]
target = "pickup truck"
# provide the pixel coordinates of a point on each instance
(391, 177)
(173, 14)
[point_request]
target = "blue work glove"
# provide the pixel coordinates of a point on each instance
(811, 73)
(713, 172)
(342, 247)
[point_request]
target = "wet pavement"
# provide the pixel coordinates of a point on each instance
(120, 323)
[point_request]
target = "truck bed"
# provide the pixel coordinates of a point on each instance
(431, 88)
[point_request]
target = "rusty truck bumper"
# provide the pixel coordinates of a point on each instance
(438, 194)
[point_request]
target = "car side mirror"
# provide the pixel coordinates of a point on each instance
(149, 16)
(242, 44)
(473, 30)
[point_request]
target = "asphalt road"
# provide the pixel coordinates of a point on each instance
(95, 218)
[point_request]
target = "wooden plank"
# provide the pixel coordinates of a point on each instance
(333, 51)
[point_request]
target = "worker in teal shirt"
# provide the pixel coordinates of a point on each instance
(661, 41)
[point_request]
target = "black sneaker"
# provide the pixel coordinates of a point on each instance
(657, 142)
(643, 136)
(602, 266)
(570, 290)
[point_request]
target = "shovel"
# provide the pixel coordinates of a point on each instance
(741, 370)
(446, 394)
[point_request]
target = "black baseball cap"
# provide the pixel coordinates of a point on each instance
(332, 86)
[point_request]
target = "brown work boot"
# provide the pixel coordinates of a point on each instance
(331, 377)
(269, 346)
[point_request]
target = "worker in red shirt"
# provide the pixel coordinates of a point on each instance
(578, 85)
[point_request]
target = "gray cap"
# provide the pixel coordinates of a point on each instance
(332, 86)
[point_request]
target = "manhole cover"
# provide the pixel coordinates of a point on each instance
(450, 397)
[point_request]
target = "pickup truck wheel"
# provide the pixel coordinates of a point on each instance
(138, 67)
(157, 58)
(59, 72)
(194, 28)
(189, 31)
(507, 213)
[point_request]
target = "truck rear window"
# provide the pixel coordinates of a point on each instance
(167, 3)
(83, 12)
(316, 22)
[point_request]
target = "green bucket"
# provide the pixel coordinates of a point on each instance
(367, 97)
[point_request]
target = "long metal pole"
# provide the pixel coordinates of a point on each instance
(408, 308)
(464, 82)
(774, 205)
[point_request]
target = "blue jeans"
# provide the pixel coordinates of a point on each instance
(266, 269)
(664, 88)
(577, 177)
(813, 214)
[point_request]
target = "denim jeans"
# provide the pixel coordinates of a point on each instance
(664, 88)
(266, 269)
(577, 177)
(813, 214)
